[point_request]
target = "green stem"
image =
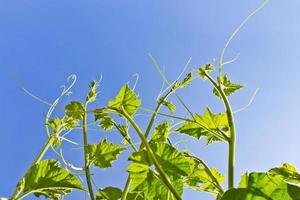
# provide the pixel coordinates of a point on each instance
(147, 132)
(231, 140)
(49, 143)
(86, 160)
(164, 176)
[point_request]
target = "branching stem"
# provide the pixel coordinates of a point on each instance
(231, 140)
(164, 177)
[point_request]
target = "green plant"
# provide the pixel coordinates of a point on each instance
(158, 170)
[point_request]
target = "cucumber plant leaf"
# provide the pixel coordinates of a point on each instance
(126, 99)
(264, 186)
(227, 86)
(186, 81)
(287, 172)
(49, 179)
(161, 132)
(92, 94)
(75, 110)
(109, 193)
(151, 187)
(206, 69)
(103, 154)
(105, 121)
(208, 125)
(203, 178)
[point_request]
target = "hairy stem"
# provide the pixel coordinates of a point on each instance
(86, 160)
(49, 143)
(164, 177)
(231, 140)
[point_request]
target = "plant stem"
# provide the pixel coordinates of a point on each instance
(151, 155)
(86, 161)
(148, 129)
(231, 140)
(49, 142)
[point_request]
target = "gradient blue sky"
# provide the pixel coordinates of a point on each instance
(44, 42)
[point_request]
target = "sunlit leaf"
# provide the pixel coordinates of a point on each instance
(104, 153)
(92, 94)
(75, 110)
(126, 99)
(161, 132)
(228, 86)
(287, 172)
(206, 69)
(105, 121)
(109, 193)
(204, 125)
(264, 186)
(204, 179)
(186, 81)
(47, 178)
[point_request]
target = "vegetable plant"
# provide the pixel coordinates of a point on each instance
(157, 169)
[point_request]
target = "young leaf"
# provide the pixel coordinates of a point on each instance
(161, 132)
(228, 87)
(47, 178)
(206, 69)
(204, 126)
(92, 94)
(109, 193)
(186, 81)
(126, 99)
(263, 186)
(104, 153)
(105, 121)
(287, 172)
(75, 110)
(169, 105)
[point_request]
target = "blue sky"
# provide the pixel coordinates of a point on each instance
(43, 42)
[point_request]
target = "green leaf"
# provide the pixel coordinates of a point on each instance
(151, 187)
(204, 179)
(169, 105)
(161, 132)
(264, 186)
(143, 179)
(92, 94)
(173, 161)
(47, 178)
(126, 99)
(244, 180)
(186, 81)
(228, 87)
(105, 121)
(287, 172)
(206, 124)
(75, 110)
(206, 69)
(104, 153)
(109, 193)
